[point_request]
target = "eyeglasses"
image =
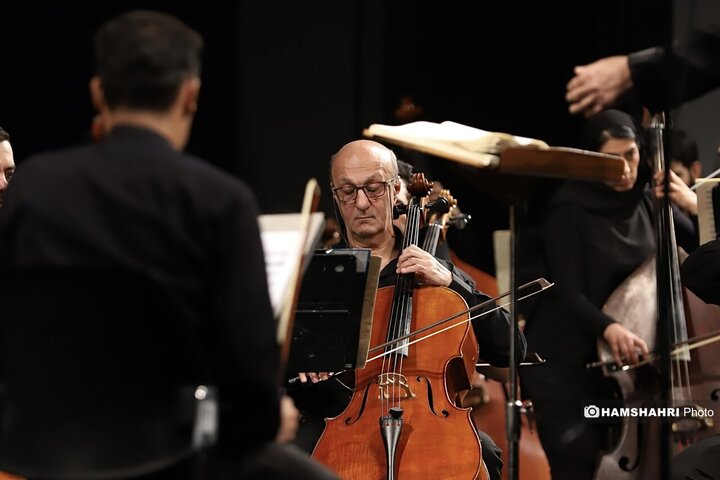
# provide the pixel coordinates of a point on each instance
(348, 193)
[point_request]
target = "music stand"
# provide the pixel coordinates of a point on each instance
(525, 162)
(334, 312)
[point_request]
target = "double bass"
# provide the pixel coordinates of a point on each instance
(403, 420)
(694, 373)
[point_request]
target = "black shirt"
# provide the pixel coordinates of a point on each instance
(132, 202)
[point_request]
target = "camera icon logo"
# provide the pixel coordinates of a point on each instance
(591, 411)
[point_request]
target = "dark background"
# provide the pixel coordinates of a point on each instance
(285, 84)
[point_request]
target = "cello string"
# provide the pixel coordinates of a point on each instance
(679, 372)
(401, 318)
(685, 364)
(385, 391)
(399, 315)
(412, 235)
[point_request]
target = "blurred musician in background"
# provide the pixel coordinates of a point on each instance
(7, 163)
(595, 235)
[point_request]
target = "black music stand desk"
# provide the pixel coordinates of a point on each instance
(334, 312)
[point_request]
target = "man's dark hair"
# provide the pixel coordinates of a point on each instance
(405, 170)
(142, 58)
(4, 135)
(683, 148)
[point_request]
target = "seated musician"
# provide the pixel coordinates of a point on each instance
(685, 169)
(595, 235)
(365, 187)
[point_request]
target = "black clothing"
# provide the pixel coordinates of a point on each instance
(131, 202)
(692, 70)
(270, 461)
(700, 272)
(699, 461)
(686, 229)
(588, 256)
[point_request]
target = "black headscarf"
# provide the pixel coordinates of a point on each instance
(597, 197)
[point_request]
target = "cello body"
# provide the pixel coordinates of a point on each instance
(438, 439)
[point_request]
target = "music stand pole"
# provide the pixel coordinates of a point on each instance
(512, 409)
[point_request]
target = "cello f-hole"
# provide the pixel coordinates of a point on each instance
(350, 420)
(431, 403)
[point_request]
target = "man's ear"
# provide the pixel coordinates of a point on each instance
(696, 169)
(97, 95)
(190, 94)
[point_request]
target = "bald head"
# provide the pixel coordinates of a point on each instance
(364, 154)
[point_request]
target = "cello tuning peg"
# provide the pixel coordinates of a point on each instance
(441, 205)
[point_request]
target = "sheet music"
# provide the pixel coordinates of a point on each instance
(283, 241)
(708, 196)
(511, 153)
(280, 255)
(452, 140)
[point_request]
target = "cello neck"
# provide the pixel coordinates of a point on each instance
(401, 313)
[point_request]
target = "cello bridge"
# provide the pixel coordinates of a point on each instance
(394, 381)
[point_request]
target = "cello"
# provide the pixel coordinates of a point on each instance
(403, 420)
(642, 447)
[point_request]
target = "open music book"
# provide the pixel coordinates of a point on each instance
(708, 193)
(288, 241)
(452, 140)
(508, 153)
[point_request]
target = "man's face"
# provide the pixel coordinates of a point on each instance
(683, 172)
(7, 167)
(367, 219)
(627, 149)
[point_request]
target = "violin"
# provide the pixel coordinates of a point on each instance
(403, 420)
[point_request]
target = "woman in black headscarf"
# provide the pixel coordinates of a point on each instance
(595, 235)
